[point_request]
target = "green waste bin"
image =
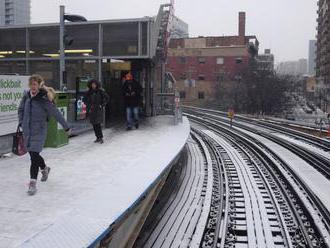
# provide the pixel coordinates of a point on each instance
(56, 135)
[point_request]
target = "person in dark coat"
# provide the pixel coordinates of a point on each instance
(96, 99)
(34, 110)
(132, 94)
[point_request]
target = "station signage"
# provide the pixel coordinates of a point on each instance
(11, 92)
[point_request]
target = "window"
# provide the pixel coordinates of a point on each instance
(182, 60)
(190, 83)
(201, 77)
(183, 76)
(44, 42)
(239, 60)
(220, 61)
(49, 70)
(13, 43)
(145, 38)
(13, 67)
(83, 68)
(182, 94)
(201, 60)
(221, 77)
(85, 40)
(201, 95)
(120, 39)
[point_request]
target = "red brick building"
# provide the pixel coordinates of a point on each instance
(201, 64)
(323, 55)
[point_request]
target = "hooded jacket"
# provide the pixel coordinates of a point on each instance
(33, 113)
(95, 101)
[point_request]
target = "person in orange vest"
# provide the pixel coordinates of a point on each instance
(231, 115)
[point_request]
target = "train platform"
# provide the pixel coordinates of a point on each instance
(90, 186)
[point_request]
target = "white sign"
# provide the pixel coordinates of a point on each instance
(11, 93)
(64, 112)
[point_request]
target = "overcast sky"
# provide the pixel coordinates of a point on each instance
(285, 26)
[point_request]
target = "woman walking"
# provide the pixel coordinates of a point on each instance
(96, 100)
(34, 110)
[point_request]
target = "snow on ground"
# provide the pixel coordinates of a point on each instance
(289, 138)
(89, 187)
(304, 145)
(303, 122)
(315, 180)
(282, 136)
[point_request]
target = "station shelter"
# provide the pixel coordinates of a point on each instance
(103, 50)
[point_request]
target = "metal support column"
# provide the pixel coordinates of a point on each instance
(62, 53)
(100, 54)
(139, 39)
(27, 52)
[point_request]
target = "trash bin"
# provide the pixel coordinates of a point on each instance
(56, 135)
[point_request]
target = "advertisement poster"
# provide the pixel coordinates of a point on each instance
(81, 89)
(11, 92)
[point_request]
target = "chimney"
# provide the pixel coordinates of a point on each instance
(241, 24)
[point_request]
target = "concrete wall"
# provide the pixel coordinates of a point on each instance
(210, 51)
(195, 43)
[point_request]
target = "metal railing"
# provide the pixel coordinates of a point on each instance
(169, 104)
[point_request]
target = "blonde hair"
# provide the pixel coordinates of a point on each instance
(41, 82)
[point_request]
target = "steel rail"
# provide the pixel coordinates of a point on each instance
(261, 154)
(319, 162)
(307, 138)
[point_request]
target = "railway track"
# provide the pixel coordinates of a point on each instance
(307, 138)
(174, 222)
(252, 220)
(236, 194)
(310, 208)
(319, 162)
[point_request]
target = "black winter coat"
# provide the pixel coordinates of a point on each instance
(132, 93)
(95, 101)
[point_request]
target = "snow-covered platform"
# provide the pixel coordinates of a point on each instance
(90, 185)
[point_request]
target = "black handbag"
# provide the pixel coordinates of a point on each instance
(18, 143)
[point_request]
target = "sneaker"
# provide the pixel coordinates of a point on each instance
(101, 141)
(97, 140)
(45, 173)
(32, 187)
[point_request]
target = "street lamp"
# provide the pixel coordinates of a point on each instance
(70, 18)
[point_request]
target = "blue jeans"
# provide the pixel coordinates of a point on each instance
(130, 111)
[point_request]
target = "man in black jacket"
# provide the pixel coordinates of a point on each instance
(132, 94)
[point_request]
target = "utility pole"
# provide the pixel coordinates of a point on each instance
(62, 53)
